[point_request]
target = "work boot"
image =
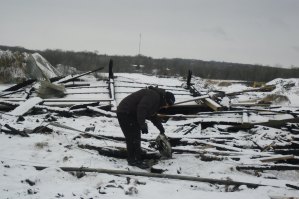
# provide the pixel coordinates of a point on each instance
(138, 163)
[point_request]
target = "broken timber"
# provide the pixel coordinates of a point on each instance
(69, 79)
(268, 167)
(101, 111)
(13, 131)
(156, 175)
(273, 159)
(264, 89)
(212, 104)
(118, 152)
(270, 123)
(26, 106)
(21, 85)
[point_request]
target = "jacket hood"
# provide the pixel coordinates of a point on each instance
(162, 94)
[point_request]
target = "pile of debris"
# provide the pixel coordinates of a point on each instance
(214, 125)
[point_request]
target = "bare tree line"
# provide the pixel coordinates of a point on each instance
(84, 61)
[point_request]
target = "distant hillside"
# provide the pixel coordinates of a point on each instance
(84, 61)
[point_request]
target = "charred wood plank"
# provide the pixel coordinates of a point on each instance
(79, 106)
(15, 131)
(287, 151)
(268, 167)
(69, 86)
(102, 112)
(86, 86)
(10, 104)
(273, 159)
(212, 104)
(271, 123)
(156, 175)
(86, 93)
(3, 94)
(140, 87)
(118, 152)
(77, 76)
(21, 85)
(54, 79)
(150, 84)
(294, 187)
(61, 111)
(221, 146)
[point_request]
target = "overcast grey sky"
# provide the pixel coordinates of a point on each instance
(245, 31)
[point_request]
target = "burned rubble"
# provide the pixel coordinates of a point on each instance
(254, 136)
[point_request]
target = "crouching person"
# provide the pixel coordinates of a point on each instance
(132, 112)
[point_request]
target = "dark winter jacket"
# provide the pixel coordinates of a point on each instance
(144, 104)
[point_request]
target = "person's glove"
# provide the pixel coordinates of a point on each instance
(144, 129)
(162, 131)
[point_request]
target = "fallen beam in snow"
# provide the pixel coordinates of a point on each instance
(21, 85)
(273, 159)
(156, 175)
(212, 104)
(69, 79)
(268, 167)
(118, 152)
(101, 111)
(270, 123)
(26, 106)
(14, 131)
(61, 111)
(221, 146)
(3, 94)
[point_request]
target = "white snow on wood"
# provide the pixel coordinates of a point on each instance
(26, 106)
(60, 149)
(107, 113)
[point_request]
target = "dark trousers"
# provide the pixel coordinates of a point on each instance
(129, 126)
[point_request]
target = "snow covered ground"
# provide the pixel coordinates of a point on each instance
(19, 155)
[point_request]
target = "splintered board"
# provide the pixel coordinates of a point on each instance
(26, 106)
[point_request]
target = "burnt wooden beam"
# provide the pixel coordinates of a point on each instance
(86, 93)
(268, 167)
(111, 76)
(270, 123)
(54, 79)
(61, 111)
(14, 131)
(106, 107)
(118, 152)
(102, 112)
(156, 175)
(140, 87)
(150, 84)
(79, 87)
(274, 159)
(3, 94)
(212, 104)
(21, 85)
(189, 79)
(287, 151)
(77, 76)
(69, 86)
